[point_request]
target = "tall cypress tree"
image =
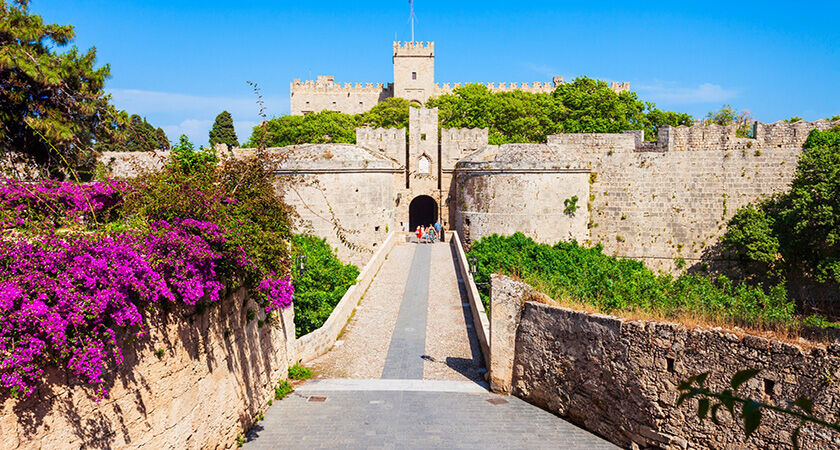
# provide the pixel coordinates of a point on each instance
(223, 132)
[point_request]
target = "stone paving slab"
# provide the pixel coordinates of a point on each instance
(452, 348)
(408, 341)
(413, 419)
(347, 384)
(360, 352)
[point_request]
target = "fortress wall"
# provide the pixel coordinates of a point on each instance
(331, 190)
(216, 372)
(657, 206)
(324, 94)
(362, 203)
(388, 142)
(531, 203)
(617, 377)
(458, 143)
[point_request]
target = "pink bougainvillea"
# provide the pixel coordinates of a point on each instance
(62, 295)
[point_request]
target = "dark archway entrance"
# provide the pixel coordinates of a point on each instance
(423, 210)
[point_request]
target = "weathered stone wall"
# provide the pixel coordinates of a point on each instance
(218, 370)
(520, 187)
(331, 184)
(325, 94)
(669, 199)
(618, 377)
(388, 142)
(458, 143)
(414, 71)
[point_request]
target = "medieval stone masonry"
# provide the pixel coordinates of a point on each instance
(414, 80)
(653, 201)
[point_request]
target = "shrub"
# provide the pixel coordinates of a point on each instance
(798, 231)
(298, 372)
(187, 234)
(319, 289)
(282, 390)
(586, 275)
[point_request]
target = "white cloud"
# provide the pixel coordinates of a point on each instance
(193, 115)
(151, 102)
(674, 94)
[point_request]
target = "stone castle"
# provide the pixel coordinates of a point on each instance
(655, 201)
(414, 80)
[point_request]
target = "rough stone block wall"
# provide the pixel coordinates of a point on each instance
(673, 199)
(361, 203)
(324, 94)
(389, 142)
(458, 143)
(531, 203)
(618, 377)
(218, 370)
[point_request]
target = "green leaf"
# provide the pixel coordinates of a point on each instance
(805, 404)
(703, 408)
(742, 377)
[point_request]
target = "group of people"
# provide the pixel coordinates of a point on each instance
(431, 233)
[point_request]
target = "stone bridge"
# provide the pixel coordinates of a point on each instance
(408, 371)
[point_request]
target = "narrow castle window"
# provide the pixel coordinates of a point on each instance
(413, 75)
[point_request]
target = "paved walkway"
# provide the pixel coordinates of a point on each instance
(408, 373)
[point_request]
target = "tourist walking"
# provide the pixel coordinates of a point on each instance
(419, 234)
(437, 230)
(443, 232)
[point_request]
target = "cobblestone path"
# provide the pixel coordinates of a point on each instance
(408, 373)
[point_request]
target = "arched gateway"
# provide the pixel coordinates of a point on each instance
(423, 210)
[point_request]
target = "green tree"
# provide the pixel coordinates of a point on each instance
(727, 115)
(136, 135)
(805, 220)
(163, 141)
(656, 119)
(317, 128)
(52, 105)
(514, 116)
(223, 131)
(392, 113)
(590, 106)
(191, 160)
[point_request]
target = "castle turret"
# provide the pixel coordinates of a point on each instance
(414, 71)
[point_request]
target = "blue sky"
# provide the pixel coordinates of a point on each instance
(180, 63)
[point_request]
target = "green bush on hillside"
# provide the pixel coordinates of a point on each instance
(319, 289)
(588, 276)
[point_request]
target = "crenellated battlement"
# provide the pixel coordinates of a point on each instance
(718, 137)
(325, 85)
(389, 142)
(414, 48)
(477, 135)
(368, 134)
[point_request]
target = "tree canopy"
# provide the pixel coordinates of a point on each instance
(797, 232)
(52, 105)
(136, 135)
(583, 106)
(223, 131)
